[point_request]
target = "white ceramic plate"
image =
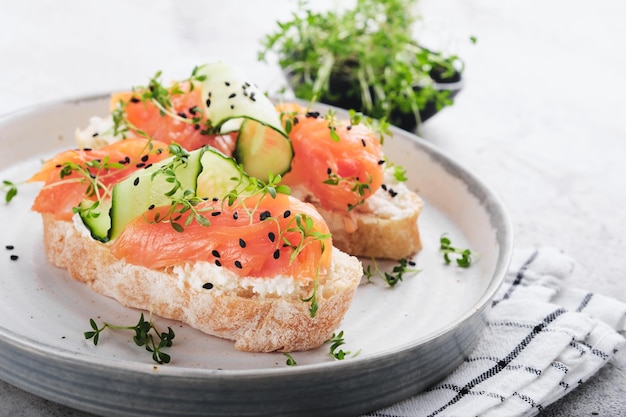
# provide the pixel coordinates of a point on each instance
(408, 337)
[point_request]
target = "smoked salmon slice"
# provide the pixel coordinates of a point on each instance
(341, 164)
(78, 174)
(182, 123)
(258, 236)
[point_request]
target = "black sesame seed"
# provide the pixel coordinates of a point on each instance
(392, 193)
(286, 214)
(232, 106)
(216, 213)
(151, 207)
(94, 135)
(207, 286)
(264, 215)
(9, 247)
(295, 121)
(242, 243)
(196, 126)
(238, 264)
(87, 149)
(140, 165)
(227, 83)
(349, 127)
(252, 96)
(147, 166)
(218, 263)
(14, 257)
(276, 254)
(216, 199)
(159, 151)
(271, 236)
(235, 215)
(145, 158)
(215, 253)
(134, 100)
(363, 142)
(384, 187)
(329, 171)
(382, 161)
(313, 114)
(208, 102)
(127, 159)
(136, 182)
(58, 165)
(122, 161)
(192, 110)
(233, 95)
(181, 114)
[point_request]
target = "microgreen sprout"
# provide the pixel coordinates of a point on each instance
(380, 127)
(402, 267)
(312, 299)
(356, 186)
(11, 190)
(399, 173)
(145, 333)
(290, 360)
(336, 341)
(463, 257)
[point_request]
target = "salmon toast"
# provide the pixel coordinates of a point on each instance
(189, 235)
(339, 166)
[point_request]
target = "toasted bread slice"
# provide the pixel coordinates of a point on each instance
(257, 320)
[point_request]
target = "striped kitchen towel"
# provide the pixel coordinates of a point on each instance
(542, 340)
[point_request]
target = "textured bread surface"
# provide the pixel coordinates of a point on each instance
(257, 323)
(377, 237)
(385, 226)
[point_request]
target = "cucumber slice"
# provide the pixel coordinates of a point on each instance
(262, 151)
(207, 172)
(231, 102)
(219, 176)
(97, 218)
(227, 94)
(150, 187)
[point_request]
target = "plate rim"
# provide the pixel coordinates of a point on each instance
(504, 237)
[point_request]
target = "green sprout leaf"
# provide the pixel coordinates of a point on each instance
(391, 277)
(463, 257)
(146, 335)
(290, 360)
(11, 190)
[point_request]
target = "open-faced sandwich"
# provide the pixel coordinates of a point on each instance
(178, 203)
(336, 164)
(188, 235)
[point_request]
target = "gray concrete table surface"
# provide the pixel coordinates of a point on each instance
(541, 119)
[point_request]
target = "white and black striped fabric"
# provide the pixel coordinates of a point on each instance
(542, 340)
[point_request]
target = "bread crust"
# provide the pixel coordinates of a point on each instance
(385, 226)
(257, 323)
(377, 236)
